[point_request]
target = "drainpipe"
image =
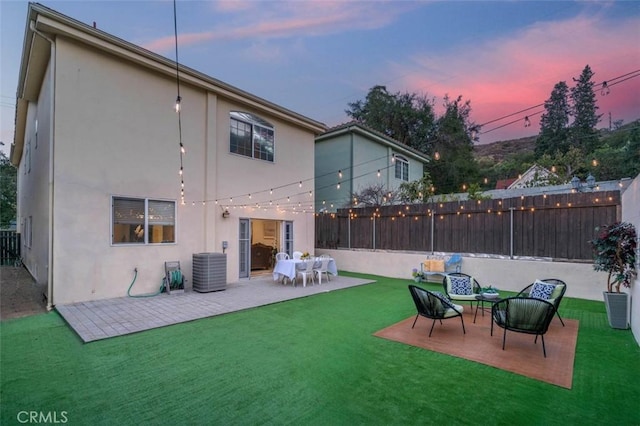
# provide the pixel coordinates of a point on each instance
(52, 120)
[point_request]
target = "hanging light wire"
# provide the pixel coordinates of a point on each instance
(178, 101)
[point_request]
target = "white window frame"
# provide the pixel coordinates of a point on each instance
(401, 168)
(146, 221)
(27, 232)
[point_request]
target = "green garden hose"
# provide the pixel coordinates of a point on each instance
(143, 295)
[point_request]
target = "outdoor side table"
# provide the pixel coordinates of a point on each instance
(481, 298)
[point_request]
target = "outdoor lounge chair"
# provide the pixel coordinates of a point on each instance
(552, 295)
(434, 306)
(461, 287)
(523, 315)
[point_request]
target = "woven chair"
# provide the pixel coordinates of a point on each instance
(554, 298)
(455, 292)
(434, 306)
(523, 315)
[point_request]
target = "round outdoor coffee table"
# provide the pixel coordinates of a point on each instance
(481, 299)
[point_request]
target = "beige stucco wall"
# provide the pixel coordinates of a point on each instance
(116, 134)
(33, 184)
(631, 214)
(512, 275)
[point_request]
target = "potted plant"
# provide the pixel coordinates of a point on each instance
(614, 251)
(418, 276)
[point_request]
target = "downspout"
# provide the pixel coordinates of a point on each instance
(52, 120)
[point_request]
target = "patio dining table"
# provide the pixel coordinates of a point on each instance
(287, 267)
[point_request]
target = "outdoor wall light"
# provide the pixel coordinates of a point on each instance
(590, 183)
(225, 213)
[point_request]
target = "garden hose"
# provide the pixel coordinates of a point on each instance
(143, 295)
(175, 278)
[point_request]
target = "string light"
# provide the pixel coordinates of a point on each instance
(178, 105)
(340, 174)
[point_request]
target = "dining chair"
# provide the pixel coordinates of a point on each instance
(297, 255)
(323, 268)
(282, 256)
(306, 271)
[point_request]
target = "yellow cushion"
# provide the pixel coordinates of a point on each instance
(437, 265)
(427, 265)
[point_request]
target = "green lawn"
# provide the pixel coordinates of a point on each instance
(305, 362)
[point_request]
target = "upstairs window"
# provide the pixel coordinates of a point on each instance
(143, 221)
(251, 136)
(402, 168)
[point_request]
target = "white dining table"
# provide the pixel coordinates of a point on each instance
(287, 267)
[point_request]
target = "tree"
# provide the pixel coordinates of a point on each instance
(417, 190)
(373, 196)
(554, 122)
(405, 117)
(583, 129)
(8, 188)
(454, 143)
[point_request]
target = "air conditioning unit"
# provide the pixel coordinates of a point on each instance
(209, 272)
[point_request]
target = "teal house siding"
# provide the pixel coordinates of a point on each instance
(352, 157)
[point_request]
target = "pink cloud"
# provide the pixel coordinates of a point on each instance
(288, 19)
(508, 75)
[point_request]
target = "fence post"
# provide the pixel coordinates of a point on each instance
(511, 233)
(374, 231)
(432, 228)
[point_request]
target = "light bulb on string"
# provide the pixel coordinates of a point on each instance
(340, 174)
(436, 155)
(300, 184)
(338, 186)
(178, 101)
(182, 150)
(527, 122)
(605, 89)
(378, 172)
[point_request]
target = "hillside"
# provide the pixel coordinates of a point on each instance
(498, 151)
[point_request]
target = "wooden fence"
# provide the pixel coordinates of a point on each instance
(557, 226)
(9, 247)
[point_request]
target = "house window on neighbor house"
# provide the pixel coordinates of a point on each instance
(402, 168)
(142, 221)
(251, 136)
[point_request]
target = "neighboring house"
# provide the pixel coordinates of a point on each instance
(97, 145)
(351, 157)
(534, 176)
(504, 183)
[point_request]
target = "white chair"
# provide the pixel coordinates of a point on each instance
(323, 268)
(306, 271)
(297, 255)
(281, 256)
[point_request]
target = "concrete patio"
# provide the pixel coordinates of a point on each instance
(102, 319)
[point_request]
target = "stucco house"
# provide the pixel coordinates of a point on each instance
(352, 156)
(97, 149)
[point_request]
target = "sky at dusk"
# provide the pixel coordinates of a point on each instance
(314, 57)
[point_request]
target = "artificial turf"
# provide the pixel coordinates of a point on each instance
(310, 361)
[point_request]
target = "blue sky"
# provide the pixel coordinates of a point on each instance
(315, 57)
